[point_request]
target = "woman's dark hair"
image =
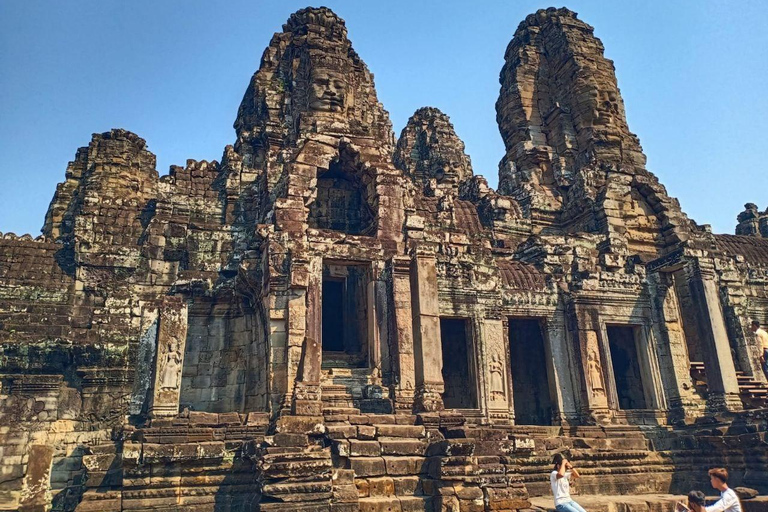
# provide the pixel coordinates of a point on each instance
(697, 497)
(557, 460)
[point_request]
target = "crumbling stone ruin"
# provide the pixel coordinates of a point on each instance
(331, 319)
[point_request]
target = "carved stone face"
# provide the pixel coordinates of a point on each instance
(327, 90)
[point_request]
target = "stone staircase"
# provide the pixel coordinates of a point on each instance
(407, 463)
(348, 392)
(383, 459)
(338, 402)
(754, 394)
(618, 459)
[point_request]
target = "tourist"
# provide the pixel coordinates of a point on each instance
(559, 479)
(696, 502)
(728, 501)
(762, 344)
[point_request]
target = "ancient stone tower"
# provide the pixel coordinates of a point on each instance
(333, 319)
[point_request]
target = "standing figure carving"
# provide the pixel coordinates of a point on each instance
(169, 376)
(497, 378)
(595, 372)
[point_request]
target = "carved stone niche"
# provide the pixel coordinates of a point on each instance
(495, 369)
(171, 341)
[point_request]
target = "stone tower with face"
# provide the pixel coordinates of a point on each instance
(310, 81)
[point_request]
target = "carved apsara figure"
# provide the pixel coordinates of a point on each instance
(595, 372)
(497, 378)
(169, 372)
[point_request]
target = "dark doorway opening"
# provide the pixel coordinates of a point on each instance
(626, 366)
(333, 317)
(345, 315)
(458, 364)
(530, 384)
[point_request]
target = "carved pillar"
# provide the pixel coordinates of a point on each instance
(428, 355)
(171, 342)
(305, 317)
(402, 334)
(374, 341)
(276, 294)
(722, 384)
(36, 490)
(495, 370)
(594, 384)
(562, 381)
(674, 363)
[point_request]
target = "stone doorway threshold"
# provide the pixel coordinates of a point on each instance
(639, 503)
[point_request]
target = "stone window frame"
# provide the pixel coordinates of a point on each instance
(548, 326)
(645, 343)
(474, 339)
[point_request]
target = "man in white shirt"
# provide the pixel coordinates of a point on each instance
(728, 501)
(762, 343)
(559, 480)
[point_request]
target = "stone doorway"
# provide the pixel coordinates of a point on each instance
(345, 311)
(688, 317)
(459, 373)
(625, 359)
(530, 381)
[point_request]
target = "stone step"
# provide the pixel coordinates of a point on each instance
(331, 389)
(336, 411)
(412, 431)
(338, 401)
(637, 503)
(396, 504)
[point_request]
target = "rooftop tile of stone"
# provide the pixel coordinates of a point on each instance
(316, 16)
(120, 134)
(467, 219)
(430, 112)
(26, 237)
(543, 17)
(521, 276)
(754, 249)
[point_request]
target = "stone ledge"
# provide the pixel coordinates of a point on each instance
(639, 503)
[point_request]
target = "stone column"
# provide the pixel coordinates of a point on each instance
(559, 371)
(594, 384)
(428, 354)
(402, 334)
(374, 342)
(305, 326)
(674, 363)
(495, 370)
(36, 488)
(171, 342)
(722, 384)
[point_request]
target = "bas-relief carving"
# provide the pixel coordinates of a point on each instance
(492, 332)
(171, 342)
(595, 372)
(327, 90)
(595, 379)
(496, 369)
(170, 370)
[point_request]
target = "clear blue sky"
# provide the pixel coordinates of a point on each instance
(692, 73)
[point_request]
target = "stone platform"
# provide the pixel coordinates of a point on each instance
(639, 503)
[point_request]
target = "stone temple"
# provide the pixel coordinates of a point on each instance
(333, 319)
